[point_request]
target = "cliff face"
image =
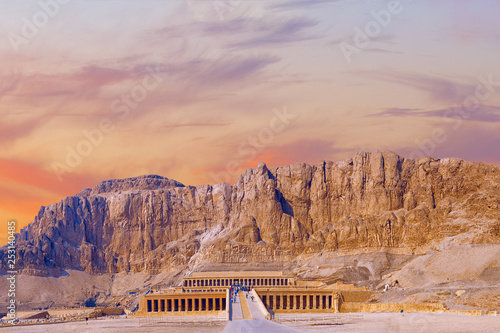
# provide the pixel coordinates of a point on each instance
(374, 200)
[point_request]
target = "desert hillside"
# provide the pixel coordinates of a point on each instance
(369, 220)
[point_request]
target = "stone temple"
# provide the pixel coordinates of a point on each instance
(262, 294)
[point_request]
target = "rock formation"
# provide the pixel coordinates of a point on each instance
(370, 202)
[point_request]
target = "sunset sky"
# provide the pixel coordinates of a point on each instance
(198, 91)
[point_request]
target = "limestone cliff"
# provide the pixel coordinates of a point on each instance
(371, 201)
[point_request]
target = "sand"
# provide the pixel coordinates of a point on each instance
(359, 323)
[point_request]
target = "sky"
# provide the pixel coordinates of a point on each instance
(199, 91)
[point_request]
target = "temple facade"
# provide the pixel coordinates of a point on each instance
(209, 293)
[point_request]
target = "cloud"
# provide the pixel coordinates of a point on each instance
(160, 128)
(210, 73)
(477, 143)
(439, 89)
(83, 82)
(278, 32)
(9, 83)
(380, 50)
(382, 39)
(484, 113)
(301, 4)
(10, 132)
(310, 151)
(29, 174)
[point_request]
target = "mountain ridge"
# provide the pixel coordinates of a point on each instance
(376, 200)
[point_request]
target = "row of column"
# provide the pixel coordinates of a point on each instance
(229, 282)
(298, 302)
(186, 304)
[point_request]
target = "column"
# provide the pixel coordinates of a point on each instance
(289, 304)
(308, 303)
(301, 301)
(320, 301)
(217, 304)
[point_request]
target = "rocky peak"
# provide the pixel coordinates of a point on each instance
(146, 182)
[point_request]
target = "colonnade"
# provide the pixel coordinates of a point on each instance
(257, 282)
(297, 301)
(186, 304)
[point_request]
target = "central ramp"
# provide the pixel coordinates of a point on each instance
(257, 326)
(247, 315)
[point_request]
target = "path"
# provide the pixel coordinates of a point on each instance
(236, 311)
(246, 316)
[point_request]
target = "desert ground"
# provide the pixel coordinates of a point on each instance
(359, 323)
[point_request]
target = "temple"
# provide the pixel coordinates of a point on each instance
(212, 293)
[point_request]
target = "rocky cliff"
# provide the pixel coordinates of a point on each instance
(370, 202)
